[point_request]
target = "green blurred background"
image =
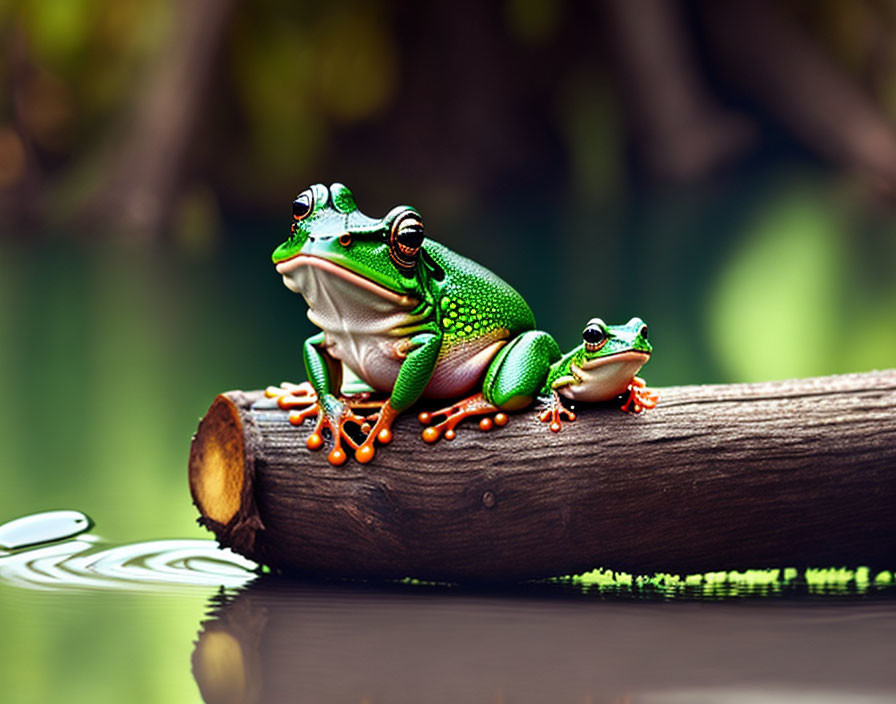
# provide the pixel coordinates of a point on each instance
(725, 171)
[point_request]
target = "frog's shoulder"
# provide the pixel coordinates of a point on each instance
(468, 281)
(456, 265)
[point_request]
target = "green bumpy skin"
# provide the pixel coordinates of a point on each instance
(409, 317)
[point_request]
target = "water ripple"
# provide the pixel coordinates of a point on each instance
(87, 563)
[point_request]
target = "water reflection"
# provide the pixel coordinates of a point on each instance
(600, 637)
(283, 641)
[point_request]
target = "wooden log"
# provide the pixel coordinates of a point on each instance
(780, 474)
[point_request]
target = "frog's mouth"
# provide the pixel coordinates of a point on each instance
(289, 267)
(629, 357)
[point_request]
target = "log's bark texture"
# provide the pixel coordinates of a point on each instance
(792, 473)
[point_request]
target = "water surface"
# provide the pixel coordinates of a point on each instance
(183, 621)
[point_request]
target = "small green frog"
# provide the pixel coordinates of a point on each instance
(602, 368)
(412, 319)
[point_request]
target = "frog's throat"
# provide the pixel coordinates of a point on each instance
(288, 266)
(616, 358)
(603, 378)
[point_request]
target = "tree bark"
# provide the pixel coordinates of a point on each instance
(779, 474)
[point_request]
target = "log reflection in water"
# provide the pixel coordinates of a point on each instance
(286, 641)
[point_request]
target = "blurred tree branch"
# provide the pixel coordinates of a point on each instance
(471, 106)
(19, 202)
(684, 135)
(781, 67)
(145, 169)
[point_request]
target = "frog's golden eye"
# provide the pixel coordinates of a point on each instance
(405, 240)
(303, 205)
(594, 335)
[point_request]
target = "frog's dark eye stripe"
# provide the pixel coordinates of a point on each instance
(303, 205)
(405, 239)
(594, 335)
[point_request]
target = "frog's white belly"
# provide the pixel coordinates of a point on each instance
(461, 367)
(605, 379)
(368, 328)
(365, 325)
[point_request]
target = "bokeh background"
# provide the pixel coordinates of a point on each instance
(724, 170)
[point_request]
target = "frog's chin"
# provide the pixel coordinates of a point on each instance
(604, 378)
(289, 269)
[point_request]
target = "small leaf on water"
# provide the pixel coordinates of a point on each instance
(42, 528)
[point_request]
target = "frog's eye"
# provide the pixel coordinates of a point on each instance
(643, 331)
(594, 335)
(302, 205)
(405, 240)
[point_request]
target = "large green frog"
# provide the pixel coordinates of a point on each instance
(412, 319)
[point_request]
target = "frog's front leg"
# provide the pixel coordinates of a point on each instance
(555, 412)
(639, 397)
(413, 376)
(511, 383)
(318, 397)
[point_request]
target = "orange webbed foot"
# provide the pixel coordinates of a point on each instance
(640, 397)
(555, 413)
(381, 430)
(475, 405)
(299, 399)
(335, 420)
(292, 395)
(333, 415)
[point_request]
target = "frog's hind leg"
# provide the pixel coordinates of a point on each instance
(511, 383)
(475, 405)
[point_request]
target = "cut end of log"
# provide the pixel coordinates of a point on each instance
(217, 462)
